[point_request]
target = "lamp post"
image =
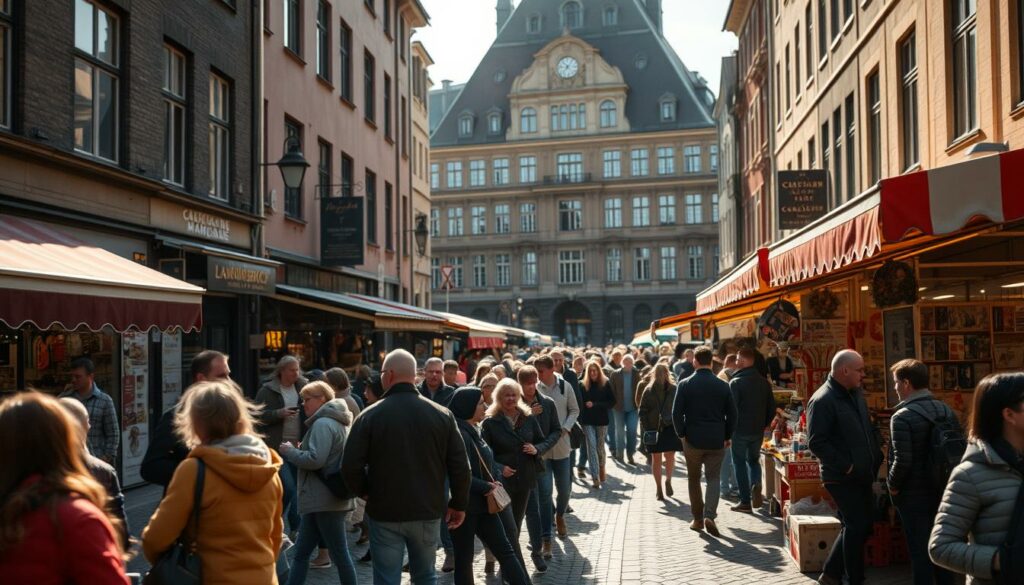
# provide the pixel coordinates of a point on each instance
(420, 235)
(292, 165)
(519, 312)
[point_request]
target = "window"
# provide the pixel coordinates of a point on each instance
(613, 212)
(668, 109)
(501, 171)
(371, 206)
(822, 34)
(454, 174)
(323, 39)
(641, 211)
(572, 15)
(389, 217)
(641, 164)
(455, 222)
(612, 164)
(502, 270)
(569, 167)
(175, 105)
(615, 325)
(502, 218)
(837, 154)
(609, 114)
(642, 264)
(345, 58)
(826, 150)
(788, 82)
(435, 273)
(528, 120)
(293, 26)
(479, 271)
(527, 169)
(435, 222)
(851, 148)
(369, 87)
(847, 9)
(668, 262)
(835, 18)
(527, 218)
(811, 153)
(387, 106)
(796, 60)
(477, 173)
(435, 176)
(456, 263)
(965, 74)
(348, 175)
(478, 220)
(494, 123)
(691, 159)
(696, 262)
(874, 129)
(713, 156)
(220, 138)
(465, 126)
(611, 16)
(809, 44)
(96, 108)
(570, 215)
(529, 269)
(568, 117)
(666, 160)
(715, 260)
(714, 205)
(386, 9)
(323, 168)
(694, 208)
(908, 101)
(5, 64)
(613, 265)
(570, 267)
(666, 209)
(533, 24)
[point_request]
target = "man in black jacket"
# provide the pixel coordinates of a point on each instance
(841, 436)
(166, 450)
(915, 496)
(546, 413)
(433, 386)
(704, 417)
(755, 409)
(399, 453)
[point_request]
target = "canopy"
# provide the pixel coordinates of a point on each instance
(384, 316)
(48, 278)
(739, 283)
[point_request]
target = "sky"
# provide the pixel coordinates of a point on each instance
(461, 31)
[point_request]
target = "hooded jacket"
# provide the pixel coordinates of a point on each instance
(975, 513)
(321, 449)
(840, 434)
(755, 402)
(270, 419)
(240, 523)
(911, 442)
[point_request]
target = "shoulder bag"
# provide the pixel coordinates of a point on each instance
(576, 434)
(651, 437)
(180, 565)
(498, 499)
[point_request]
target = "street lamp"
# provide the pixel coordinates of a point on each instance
(292, 165)
(519, 312)
(421, 234)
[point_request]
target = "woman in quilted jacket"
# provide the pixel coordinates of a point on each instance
(973, 522)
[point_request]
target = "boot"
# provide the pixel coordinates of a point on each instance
(597, 484)
(757, 499)
(601, 474)
(546, 549)
(581, 472)
(488, 561)
(560, 526)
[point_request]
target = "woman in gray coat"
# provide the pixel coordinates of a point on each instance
(974, 516)
(323, 514)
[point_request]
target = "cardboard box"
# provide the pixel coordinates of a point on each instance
(811, 539)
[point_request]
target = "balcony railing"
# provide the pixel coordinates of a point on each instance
(567, 178)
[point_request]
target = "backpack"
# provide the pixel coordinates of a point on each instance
(946, 446)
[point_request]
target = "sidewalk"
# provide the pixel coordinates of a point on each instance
(621, 535)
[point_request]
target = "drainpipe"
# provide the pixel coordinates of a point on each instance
(772, 122)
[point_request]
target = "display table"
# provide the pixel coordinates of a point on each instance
(795, 480)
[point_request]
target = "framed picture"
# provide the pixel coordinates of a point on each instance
(898, 328)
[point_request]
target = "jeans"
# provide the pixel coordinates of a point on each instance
(540, 516)
(289, 497)
(728, 479)
(856, 512)
(918, 517)
(388, 543)
(623, 432)
(330, 527)
(711, 461)
(746, 456)
(490, 530)
(595, 448)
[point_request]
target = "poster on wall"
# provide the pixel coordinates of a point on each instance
(898, 325)
(171, 362)
(780, 322)
(134, 404)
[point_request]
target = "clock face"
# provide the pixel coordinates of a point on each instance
(568, 67)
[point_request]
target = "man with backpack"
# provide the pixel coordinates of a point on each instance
(556, 459)
(927, 443)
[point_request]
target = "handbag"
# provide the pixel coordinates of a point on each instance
(650, 438)
(576, 436)
(335, 483)
(498, 499)
(180, 565)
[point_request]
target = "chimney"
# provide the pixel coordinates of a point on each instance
(504, 11)
(654, 12)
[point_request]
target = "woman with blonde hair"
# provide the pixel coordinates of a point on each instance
(658, 435)
(513, 434)
(240, 527)
(49, 502)
(598, 399)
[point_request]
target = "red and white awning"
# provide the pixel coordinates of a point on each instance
(945, 199)
(738, 284)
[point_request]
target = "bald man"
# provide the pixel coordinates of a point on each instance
(398, 454)
(841, 436)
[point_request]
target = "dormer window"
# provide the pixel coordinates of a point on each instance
(533, 24)
(572, 15)
(611, 15)
(494, 123)
(667, 106)
(465, 125)
(609, 114)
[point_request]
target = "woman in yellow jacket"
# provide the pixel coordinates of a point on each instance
(240, 523)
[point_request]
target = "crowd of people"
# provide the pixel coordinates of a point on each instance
(463, 451)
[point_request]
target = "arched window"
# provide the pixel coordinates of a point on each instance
(609, 114)
(494, 123)
(528, 121)
(614, 329)
(465, 125)
(572, 15)
(611, 16)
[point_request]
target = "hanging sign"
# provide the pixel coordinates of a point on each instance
(780, 322)
(341, 231)
(803, 197)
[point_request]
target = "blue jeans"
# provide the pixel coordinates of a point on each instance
(388, 543)
(539, 510)
(329, 527)
(728, 481)
(289, 499)
(623, 432)
(746, 457)
(918, 516)
(595, 448)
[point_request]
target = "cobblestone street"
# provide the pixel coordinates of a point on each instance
(623, 535)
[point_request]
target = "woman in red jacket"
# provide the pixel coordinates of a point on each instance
(54, 527)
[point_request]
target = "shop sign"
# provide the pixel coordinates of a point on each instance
(341, 231)
(803, 197)
(227, 275)
(780, 322)
(198, 223)
(803, 470)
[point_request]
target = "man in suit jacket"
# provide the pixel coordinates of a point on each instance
(704, 416)
(625, 387)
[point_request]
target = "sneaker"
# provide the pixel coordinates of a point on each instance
(449, 563)
(712, 529)
(744, 508)
(538, 562)
(322, 560)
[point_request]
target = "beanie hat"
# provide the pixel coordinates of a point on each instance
(464, 401)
